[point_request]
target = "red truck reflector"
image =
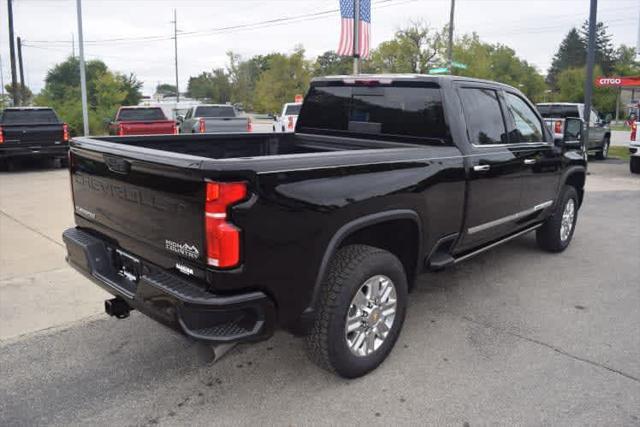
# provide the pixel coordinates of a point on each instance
(290, 122)
(120, 129)
(202, 126)
(65, 132)
(249, 125)
(1, 136)
(223, 238)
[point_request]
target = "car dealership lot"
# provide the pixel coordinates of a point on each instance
(515, 335)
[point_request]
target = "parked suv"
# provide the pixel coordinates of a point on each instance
(599, 132)
(321, 232)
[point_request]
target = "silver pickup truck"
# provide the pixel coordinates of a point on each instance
(213, 118)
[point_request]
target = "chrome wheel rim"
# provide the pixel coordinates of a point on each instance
(370, 315)
(567, 219)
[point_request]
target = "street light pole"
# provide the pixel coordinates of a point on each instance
(175, 52)
(591, 52)
(83, 76)
(356, 36)
(15, 93)
(450, 49)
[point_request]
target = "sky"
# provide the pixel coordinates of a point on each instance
(134, 36)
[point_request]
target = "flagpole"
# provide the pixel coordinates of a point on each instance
(356, 36)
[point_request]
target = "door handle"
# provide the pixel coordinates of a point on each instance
(481, 168)
(530, 161)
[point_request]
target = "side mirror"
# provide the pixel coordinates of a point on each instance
(573, 131)
(179, 118)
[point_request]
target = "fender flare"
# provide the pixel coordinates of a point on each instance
(571, 171)
(349, 228)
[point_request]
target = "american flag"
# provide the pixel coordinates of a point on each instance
(345, 47)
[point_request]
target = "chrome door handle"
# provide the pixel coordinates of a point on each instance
(481, 168)
(530, 161)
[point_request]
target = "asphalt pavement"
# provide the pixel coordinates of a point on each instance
(513, 336)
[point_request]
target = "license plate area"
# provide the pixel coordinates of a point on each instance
(127, 266)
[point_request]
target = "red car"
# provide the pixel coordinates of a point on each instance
(142, 121)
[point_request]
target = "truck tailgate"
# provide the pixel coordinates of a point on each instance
(38, 134)
(153, 210)
(226, 124)
(149, 128)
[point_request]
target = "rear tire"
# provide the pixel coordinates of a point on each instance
(604, 152)
(353, 315)
(557, 231)
(634, 164)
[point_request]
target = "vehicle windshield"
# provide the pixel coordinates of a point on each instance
(406, 113)
(215, 111)
(20, 117)
(292, 110)
(140, 114)
(558, 111)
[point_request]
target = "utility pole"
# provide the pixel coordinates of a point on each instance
(175, 53)
(450, 48)
(15, 93)
(591, 54)
(356, 37)
(73, 45)
(83, 76)
(1, 81)
(20, 65)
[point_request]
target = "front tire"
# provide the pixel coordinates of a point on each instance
(557, 231)
(360, 312)
(634, 164)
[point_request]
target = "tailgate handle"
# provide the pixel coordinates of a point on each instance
(117, 165)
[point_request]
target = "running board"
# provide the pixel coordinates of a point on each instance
(494, 244)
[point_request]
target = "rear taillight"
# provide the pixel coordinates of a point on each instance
(120, 129)
(290, 122)
(202, 126)
(65, 132)
(223, 238)
(174, 129)
(249, 125)
(1, 136)
(557, 126)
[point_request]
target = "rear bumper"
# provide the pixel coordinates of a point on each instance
(33, 150)
(171, 300)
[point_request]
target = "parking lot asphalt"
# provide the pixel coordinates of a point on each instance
(513, 336)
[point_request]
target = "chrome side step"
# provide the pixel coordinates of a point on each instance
(494, 244)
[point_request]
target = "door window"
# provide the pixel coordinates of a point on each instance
(527, 126)
(482, 112)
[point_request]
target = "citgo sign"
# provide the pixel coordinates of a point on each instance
(617, 81)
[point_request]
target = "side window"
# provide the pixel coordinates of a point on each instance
(594, 117)
(482, 112)
(188, 115)
(528, 127)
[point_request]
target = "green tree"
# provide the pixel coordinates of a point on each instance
(131, 85)
(244, 75)
(605, 52)
(414, 49)
(330, 63)
(106, 91)
(497, 62)
(285, 77)
(24, 94)
(625, 62)
(571, 89)
(570, 54)
(166, 89)
(214, 86)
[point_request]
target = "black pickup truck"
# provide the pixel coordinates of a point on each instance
(32, 132)
(321, 232)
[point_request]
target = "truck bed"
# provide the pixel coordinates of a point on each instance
(241, 145)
